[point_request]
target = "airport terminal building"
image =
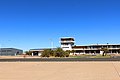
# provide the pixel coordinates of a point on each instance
(10, 51)
(67, 43)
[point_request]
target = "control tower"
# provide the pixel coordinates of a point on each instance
(67, 43)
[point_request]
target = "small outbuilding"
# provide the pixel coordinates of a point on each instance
(38, 52)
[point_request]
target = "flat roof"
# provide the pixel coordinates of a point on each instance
(99, 45)
(11, 48)
(67, 38)
(41, 49)
(82, 46)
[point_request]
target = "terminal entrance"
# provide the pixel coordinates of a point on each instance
(35, 53)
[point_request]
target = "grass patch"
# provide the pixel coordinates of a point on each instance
(90, 56)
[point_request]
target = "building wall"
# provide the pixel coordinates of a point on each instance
(67, 43)
(96, 49)
(10, 52)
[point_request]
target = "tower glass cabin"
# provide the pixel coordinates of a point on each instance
(67, 43)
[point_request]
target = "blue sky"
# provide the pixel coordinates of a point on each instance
(27, 24)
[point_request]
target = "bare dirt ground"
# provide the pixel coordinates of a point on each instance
(60, 71)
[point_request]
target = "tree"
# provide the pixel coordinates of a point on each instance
(52, 53)
(67, 53)
(59, 53)
(46, 53)
(73, 51)
(28, 52)
(105, 51)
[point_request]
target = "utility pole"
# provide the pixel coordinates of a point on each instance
(51, 44)
(0, 50)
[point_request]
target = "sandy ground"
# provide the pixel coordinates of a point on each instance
(60, 71)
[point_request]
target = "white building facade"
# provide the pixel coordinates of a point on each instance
(67, 43)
